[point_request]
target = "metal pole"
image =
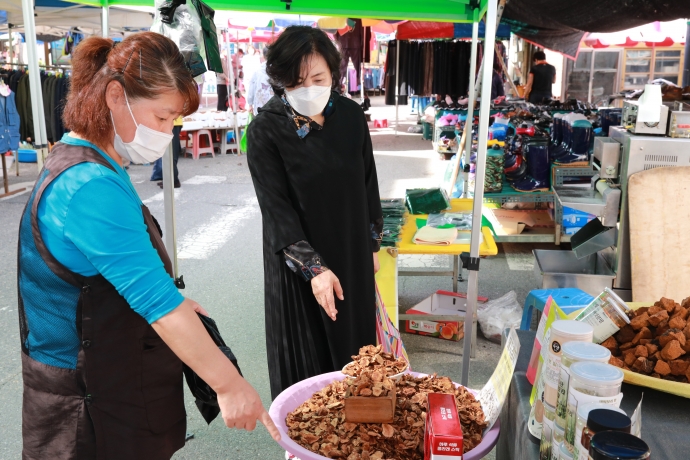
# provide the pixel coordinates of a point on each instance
(105, 26)
(169, 207)
(397, 84)
(361, 65)
(10, 55)
(467, 133)
(475, 94)
(40, 136)
(485, 107)
(686, 60)
(232, 90)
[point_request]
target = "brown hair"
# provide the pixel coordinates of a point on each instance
(146, 64)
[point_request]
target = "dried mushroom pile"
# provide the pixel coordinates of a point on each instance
(370, 384)
(656, 343)
(374, 359)
(319, 424)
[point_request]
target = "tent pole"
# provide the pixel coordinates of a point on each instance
(485, 107)
(473, 99)
(467, 133)
(105, 27)
(361, 65)
(397, 83)
(686, 59)
(232, 89)
(10, 55)
(169, 208)
(40, 137)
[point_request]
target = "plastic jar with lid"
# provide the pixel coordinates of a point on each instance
(582, 414)
(547, 432)
(591, 382)
(555, 450)
(574, 352)
(564, 453)
(607, 313)
(600, 420)
(562, 332)
(609, 445)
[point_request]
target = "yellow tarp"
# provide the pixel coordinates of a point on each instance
(387, 281)
(407, 246)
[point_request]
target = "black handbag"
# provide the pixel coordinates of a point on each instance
(206, 399)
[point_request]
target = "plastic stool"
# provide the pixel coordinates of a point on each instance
(197, 149)
(381, 123)
(568, 300)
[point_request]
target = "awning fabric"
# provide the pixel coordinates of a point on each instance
(422, 30)
(561, 25)
(656, 33)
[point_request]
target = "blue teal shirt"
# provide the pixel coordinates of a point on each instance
(91, 221)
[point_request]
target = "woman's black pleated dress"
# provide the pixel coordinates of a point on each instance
(322, 189)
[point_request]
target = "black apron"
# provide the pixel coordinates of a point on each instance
(125, 399)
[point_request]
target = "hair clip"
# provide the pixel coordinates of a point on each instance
(127, 63)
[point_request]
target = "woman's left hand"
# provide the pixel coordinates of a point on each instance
(377, 265)
(198, 308)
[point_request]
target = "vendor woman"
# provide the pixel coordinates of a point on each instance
(311, 159)
(104, 330)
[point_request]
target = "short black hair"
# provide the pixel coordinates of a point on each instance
(539, 56)
(293, 48)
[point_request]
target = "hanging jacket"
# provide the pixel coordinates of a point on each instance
(125, 398)
(9, 124)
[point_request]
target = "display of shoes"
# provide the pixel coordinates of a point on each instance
(582, 141)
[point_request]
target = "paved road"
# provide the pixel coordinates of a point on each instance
(219, 228)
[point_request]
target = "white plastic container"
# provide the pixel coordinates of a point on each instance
(547, 432)
(591, 382)
(565, 453)
(607, 313)
(574, 352)
(562, 332)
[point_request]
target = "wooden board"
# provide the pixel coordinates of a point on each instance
(659, 210)
(380, 409)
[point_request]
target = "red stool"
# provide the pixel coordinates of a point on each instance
(197, 149)
(381, 123)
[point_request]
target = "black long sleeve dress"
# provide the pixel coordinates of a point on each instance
(317, 188)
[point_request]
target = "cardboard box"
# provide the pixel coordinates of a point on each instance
(440, 303)
(443, 433)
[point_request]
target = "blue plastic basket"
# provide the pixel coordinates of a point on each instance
(27, 156)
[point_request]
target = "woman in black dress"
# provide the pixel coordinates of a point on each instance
(312, 163)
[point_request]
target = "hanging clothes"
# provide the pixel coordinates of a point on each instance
(9, 124)
(26, 128)
(353, 45)
(354, 80)
(390, 72)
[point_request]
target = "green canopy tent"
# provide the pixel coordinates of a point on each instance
(468, 11)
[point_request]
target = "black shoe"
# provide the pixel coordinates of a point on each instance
(177, 184)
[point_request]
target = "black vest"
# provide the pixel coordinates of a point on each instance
(125, 398)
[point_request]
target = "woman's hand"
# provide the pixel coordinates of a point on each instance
(198, 308)
(377, 265)
(323, 287)
(241, 408)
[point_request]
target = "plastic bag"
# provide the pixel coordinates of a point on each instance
(181, 23)
(427, 201)
(459, 220)
(205, 397)
(497, 315)
(243, 139)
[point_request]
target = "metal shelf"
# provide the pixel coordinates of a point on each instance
(509, 195)
(529, 235)
(559, 172)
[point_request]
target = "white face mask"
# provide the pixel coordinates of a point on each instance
(309, 100)
(147, 146)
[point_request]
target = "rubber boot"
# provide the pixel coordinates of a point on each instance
(582, 141)
(556, 133)
(538, 167)
(562, 148)
(518, 171)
